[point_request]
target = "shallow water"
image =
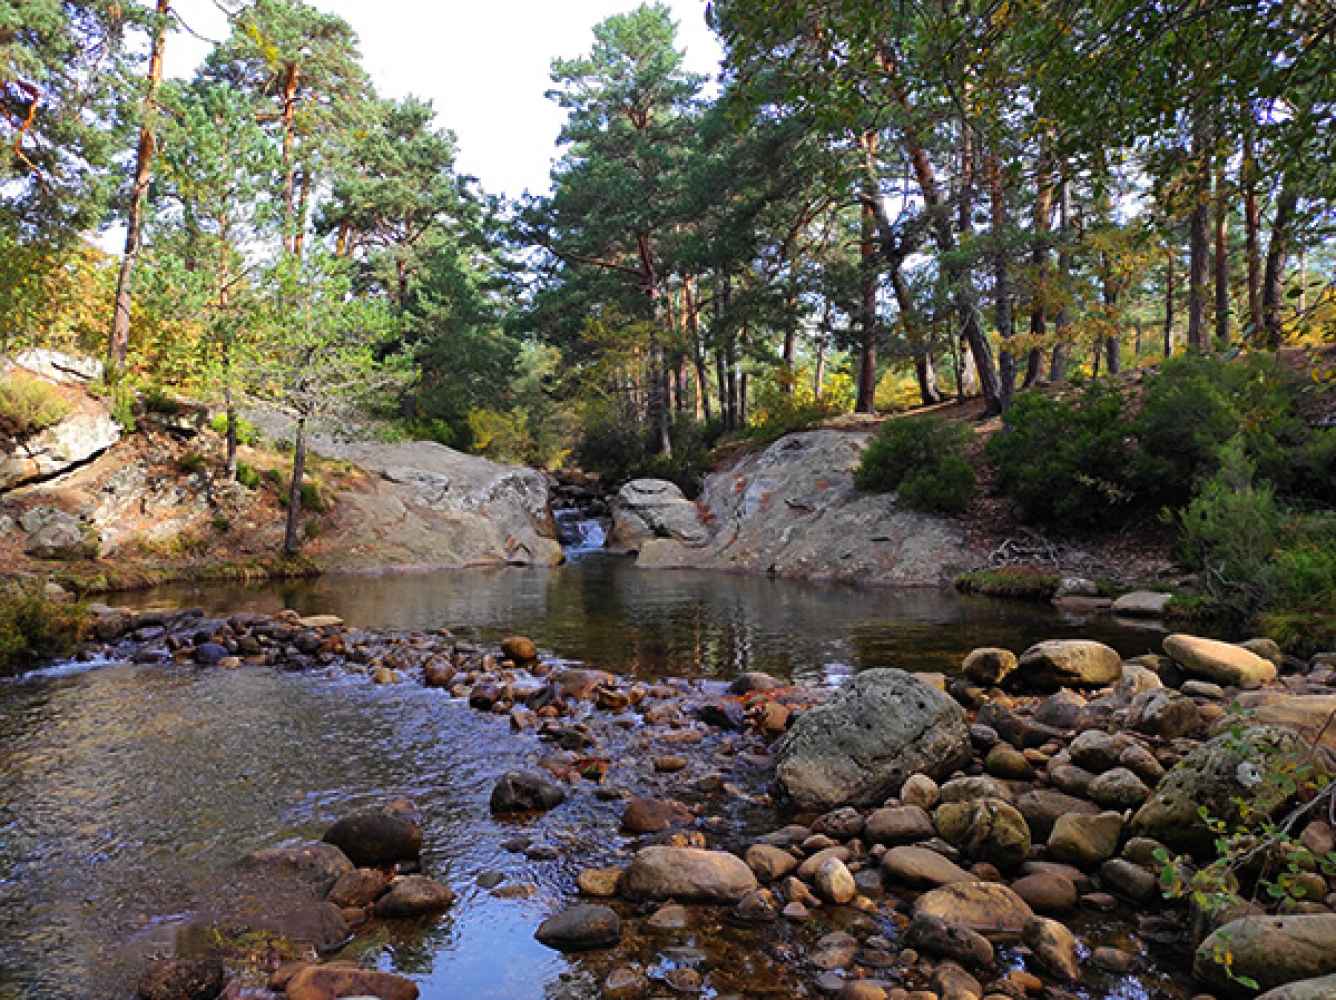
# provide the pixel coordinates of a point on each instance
(127, 793)
(604, 611)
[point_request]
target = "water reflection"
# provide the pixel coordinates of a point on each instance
(605, 611)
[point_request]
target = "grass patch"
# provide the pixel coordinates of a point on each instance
(34, 628)
(29, 405)
(1026, 582)
(105, 579)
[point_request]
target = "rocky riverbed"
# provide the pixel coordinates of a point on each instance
(998, 833)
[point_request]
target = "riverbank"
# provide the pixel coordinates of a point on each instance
(1028, 833)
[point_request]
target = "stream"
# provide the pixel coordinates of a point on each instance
(128, 792)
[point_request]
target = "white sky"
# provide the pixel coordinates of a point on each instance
(483, 63)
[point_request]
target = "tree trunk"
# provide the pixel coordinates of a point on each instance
(118, 345)
(692, 308)
(1058, 364)
(957, 272)
(867, 364)
(1169, 304)
(658, 385)
(1198, 236)
(924, 371)
(1039, 258)
(997, 197)
(291, 77)
(1273, 281)
(303, 206)
(819, 373)
(1221, 258)
(1252, 221)
(292, 533)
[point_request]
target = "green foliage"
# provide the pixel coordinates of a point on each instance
(33, 627)
(1066, 462)
(29, 405)
(787, 415)
(618, 452)
(247, 476)
(247, 433)
(1026, 582)
(1196, 403)
(315, 499)
(191, 462)
(1255, 556)
(690, 461)
(156, 399)
(924, 459)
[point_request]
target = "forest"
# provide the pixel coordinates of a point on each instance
(872, 208)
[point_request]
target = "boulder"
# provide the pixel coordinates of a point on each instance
(1042, 807)
(833, 882)
(921, 866)
(85, 433)
(323, 982)
(931, 935)
(57, 536)
(1068, 663)
(1322, 988)
(360, 887)
(414, 895)
(1053, 946)
(654, 508)
(655, 815)
(1119, 788)
(1047, 891)
(860, 746)
(525, 791)
(1084, 840)
(1307, 715)
(519, 648)
(379, 836)
(1164, 713)
(688, 874)
(898, 825)
(985, 830)
(316, 865)
(989, 665)
(988, 908)
(581, 927)
(770, 863)
(1142, 604)
(1273, 951)
(181, 979)
(1219, 662)
(1211, 776)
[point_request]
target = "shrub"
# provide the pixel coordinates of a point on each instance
(613, 449)
(29, 405)
(1067, 462)
(191, 463)
(620, 452)
(247, 476)
(34, 627)
(246, 431)
(924, 459)
(1196, 403)
(159, 400)
(788, 415)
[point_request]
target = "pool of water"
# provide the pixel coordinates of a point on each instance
(127, 793)
(604, 611)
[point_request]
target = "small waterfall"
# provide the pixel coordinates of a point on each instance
(579, 533)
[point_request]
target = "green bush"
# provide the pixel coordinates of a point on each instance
(29, 405)
(1196, 403)
(1258, 560)
(159, 400)
(33, 627)
(1067, 462)
(247, 476)
(924, 459)
(246, 432)
(314, 499)
(619, 452)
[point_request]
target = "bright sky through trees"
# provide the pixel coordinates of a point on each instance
(484, 66)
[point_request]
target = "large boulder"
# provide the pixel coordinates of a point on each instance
(1272, 951)
(987, 908)
(792, 510)
(1307, 714)
(859, 747)
(381, 836)
(86, 432)
(688, 874)
(1220, 662)
(317, 866)
(1068, 663)
(654, 508)
(1214, 777)
(1322, 988)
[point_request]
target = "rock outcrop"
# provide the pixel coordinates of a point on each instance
(792, 510)
(646, 509)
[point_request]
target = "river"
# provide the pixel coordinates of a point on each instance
(127, 793)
